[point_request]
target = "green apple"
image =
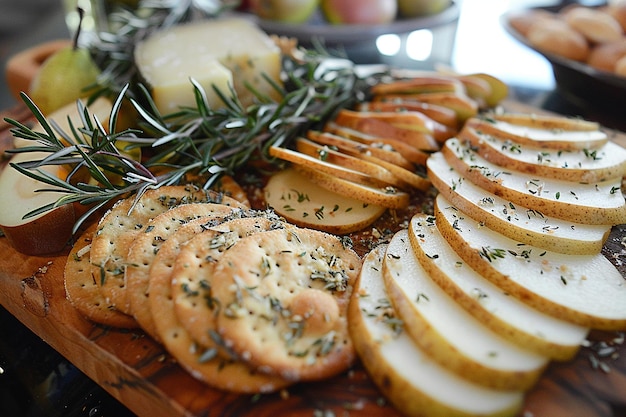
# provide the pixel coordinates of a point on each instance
(64, 77)
(288, 11)
(416, 8)
(374, 12)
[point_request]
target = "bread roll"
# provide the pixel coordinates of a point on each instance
(618, 11)
(558, 38)
(604, 56)
(522, 21)
(620, 67)
(596, 25)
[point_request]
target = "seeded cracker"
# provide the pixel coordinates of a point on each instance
(202, 363)
(119, 227)
(82, 289)
(284, 296)
(145, 247)
(192, 275)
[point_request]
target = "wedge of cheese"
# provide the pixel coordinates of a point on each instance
(223, 54)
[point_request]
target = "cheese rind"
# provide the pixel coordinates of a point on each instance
(225, 53)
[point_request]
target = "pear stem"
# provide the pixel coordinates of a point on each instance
(81, 15)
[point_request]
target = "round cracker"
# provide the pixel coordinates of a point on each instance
(82, 289)
(193, 271)
(119, 227)
(284, 297)
(203, 364)
(145, 247)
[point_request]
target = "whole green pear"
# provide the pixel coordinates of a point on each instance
(287, 11)
(416, 8)
(65, 76)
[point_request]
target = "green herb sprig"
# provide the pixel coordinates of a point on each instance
(198, 141)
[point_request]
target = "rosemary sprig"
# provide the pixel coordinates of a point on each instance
(200, 141)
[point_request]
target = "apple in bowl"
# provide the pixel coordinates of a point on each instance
(286, 11)
(372, 12)
(416, 8)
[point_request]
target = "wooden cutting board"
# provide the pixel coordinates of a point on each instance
(137, 371)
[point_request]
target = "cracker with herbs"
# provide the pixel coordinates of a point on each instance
(82, 289)
(192, 275)
(203, 363)
(120, 226)
(145, 247)
(283, 298)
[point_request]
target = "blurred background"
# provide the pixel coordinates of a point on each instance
(474, 42)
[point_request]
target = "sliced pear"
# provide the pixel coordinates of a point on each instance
(464, 106)
(332, 156)
(581, 165)
(100, 108)
(499, 89)
(389, 197)
(594, 203)
(45, 233)
(412, 154)
(409, 120)
(408, 177)
(448, 333)
(420, 84)
(512, 220)
(299, 158)
(356, 148)
(407, 376)
(496, 309)
(404, 178)
(441, 114)
(543, 131)
(421, 138)
(548, 122)
(477, 88)
(584, 289)
(306, 204)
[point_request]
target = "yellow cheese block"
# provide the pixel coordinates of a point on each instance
(221, 53)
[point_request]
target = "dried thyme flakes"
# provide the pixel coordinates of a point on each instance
(602, 352)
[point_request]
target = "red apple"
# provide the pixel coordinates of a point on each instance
(372, 12)
(288, 11)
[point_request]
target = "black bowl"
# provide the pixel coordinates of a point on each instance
(576, 80)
